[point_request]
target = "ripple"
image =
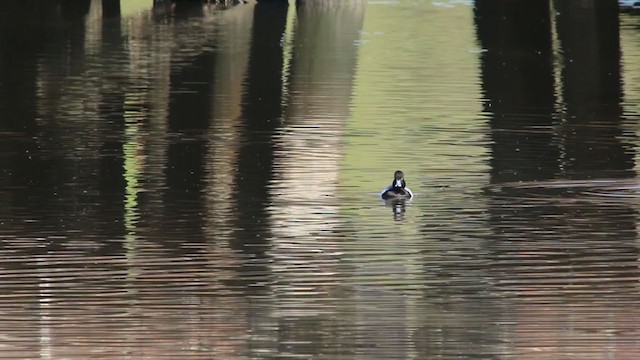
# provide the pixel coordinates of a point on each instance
(187, 182)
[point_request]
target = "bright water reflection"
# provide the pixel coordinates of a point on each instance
(186, 181)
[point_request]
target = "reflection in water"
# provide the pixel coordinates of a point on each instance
(398, 206)
(556, 248)
(591, 133)
(517, 78)
(194, 181)
(308, 151)
(571, 268)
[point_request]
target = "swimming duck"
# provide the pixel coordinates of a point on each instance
(398, 188)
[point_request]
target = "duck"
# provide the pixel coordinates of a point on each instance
(398, 188)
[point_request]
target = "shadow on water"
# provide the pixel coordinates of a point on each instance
(167, 151)
(261, 114)
(517, 79)
(187, 122)
(592, 139)
(559, 245)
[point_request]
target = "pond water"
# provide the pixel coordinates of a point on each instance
(189, 181)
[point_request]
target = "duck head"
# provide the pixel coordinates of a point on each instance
(398, 180)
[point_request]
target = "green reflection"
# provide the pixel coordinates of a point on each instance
(287, 51)
(417, 107)
(416, 100)
(131, 175)
(133, 7)
(630, 47)
(132, 164)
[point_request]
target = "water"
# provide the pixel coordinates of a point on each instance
(201, 181)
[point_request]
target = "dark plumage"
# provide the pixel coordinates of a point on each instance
(398, 188)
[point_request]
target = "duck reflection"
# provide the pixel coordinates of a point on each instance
(396, 195)
(399, 207)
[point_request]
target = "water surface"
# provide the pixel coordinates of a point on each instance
(186, 181)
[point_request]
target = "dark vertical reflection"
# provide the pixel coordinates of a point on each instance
(31, 174)
(23, 167)
(73, 11)
(592, 90)
(555, 244)
(111, 182)
(593, 144)
(261, 113)
(517, 79)
(188, 121)
(518, 85)
(36, 175)
(111, 8)
(187, 8)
